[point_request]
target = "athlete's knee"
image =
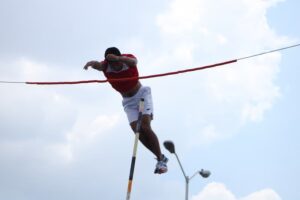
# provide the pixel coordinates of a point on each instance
(145, 127)
(145, 124)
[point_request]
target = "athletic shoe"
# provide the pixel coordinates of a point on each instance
(161, 166)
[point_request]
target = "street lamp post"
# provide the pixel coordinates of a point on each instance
(169, 145)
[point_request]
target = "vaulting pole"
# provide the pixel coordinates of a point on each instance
(137, 135)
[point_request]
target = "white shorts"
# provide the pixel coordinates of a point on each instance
(131, 104)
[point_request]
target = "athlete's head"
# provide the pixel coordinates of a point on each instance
(112, 50)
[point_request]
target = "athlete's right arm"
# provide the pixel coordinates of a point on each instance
(95, 65)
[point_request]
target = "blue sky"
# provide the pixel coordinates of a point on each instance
(74, 142)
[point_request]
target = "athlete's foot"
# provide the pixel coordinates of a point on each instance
(161, 166)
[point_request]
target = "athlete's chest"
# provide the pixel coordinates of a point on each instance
(123, 69)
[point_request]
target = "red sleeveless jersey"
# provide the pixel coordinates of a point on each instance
(125, 72)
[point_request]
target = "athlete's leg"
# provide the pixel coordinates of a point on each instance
(147, 135)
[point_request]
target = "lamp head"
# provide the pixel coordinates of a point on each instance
(169, 145)
(204, 173)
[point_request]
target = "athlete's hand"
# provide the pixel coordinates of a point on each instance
(112, 57)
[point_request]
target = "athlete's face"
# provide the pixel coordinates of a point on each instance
(115, 65)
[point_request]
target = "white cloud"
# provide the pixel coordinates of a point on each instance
(218, 191)
(86, 130)
(52, 121)
(195, 32)
(250, 87)
(266, 194)
(205, 136)
(51, 134)
(60, 152)
(32, 70)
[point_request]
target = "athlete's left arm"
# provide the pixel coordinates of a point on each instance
(130, 61)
